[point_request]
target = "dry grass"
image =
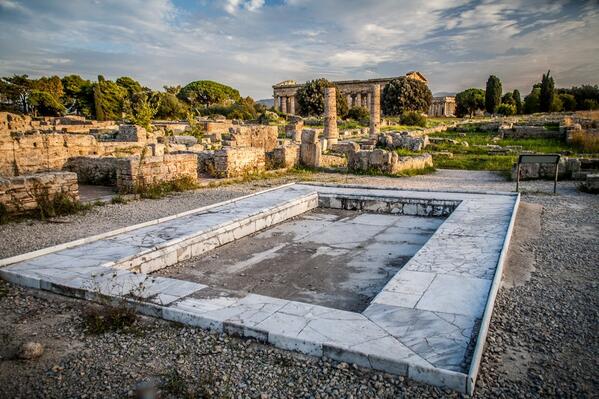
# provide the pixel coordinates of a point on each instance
(585, 142)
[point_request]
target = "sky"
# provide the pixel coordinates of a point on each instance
(253, 44)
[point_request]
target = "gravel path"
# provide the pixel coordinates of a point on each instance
(543, 339)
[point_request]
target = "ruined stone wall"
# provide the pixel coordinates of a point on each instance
(94, 169)
(525, 132)
(134, 171)
(238, 161)
(286, 156)
(21, 194)
(568, 168)
(383, 161)
(258, 136)
(403, 140)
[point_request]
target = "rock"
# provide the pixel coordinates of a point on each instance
(31, 350)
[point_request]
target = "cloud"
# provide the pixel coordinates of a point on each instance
(252, 44)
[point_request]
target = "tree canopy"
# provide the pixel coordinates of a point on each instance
(469, 101)
(405, 94)
(310, 98)
(206, 92)
(547, 94)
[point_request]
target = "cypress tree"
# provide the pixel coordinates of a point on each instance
(517, 100)
(547, 93)
(493, 94)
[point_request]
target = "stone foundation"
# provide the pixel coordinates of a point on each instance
(21, 194)
(238, 161)
(568, 168)
(403, 140)
(386, 162)
(135, 171)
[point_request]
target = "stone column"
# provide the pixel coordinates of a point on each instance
(359, 100)
(292, 105)
(375, 111)
(368, 100)
(330, 116)
(276, 103)
(284, 104)
(349, 101)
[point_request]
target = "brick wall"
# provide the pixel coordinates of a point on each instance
(21, 194)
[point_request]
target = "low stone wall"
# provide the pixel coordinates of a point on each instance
(333, 161)
(94, 169)
(21, 194)
(238, 161)
(383, 161)
(403, 140)
(524, 132)
(344, 147)
(259, 136)
(135, 171)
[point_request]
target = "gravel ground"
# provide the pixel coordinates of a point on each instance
(542, 342)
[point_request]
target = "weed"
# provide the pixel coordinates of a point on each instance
(60, 204)
(118, 199)
(107, 318)
(585, 142)
(159, 190)
(176, 385)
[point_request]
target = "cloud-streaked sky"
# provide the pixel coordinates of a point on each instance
(252, 44)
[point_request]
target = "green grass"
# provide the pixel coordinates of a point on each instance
(476, 162)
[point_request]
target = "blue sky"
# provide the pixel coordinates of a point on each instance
(252, 44)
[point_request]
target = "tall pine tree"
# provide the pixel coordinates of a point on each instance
(493, 94)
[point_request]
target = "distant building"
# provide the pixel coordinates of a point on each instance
(442, 106)
(357, 92)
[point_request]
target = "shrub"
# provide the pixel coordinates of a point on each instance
(469, 101)
(413, 118)
(60, 204)
(159, 190)
(506, 109)
(267, 117)
(405, 94)
(359, 114)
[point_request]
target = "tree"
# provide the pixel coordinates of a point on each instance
(584, 93)
(78, 95)
(517, 101)
(171, 107)
(44, 103)
(144, 106)
(16, 89)
(51, 85)
(405, 94)
(532, 101)
(547, 94)
(508, 98)
(131, 85)
(492, 94)
(310, 98)
(469, 101)
(568, 101)
(358, 114)
(206, 92)
(108, 99)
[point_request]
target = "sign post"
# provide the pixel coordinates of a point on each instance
(538, 158)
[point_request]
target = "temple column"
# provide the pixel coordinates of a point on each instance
(276, 103)
(375, 111)
(284, 104)
(368, 100)
(359, 100)
(330, 116)
(292, 105)
(349, 101)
